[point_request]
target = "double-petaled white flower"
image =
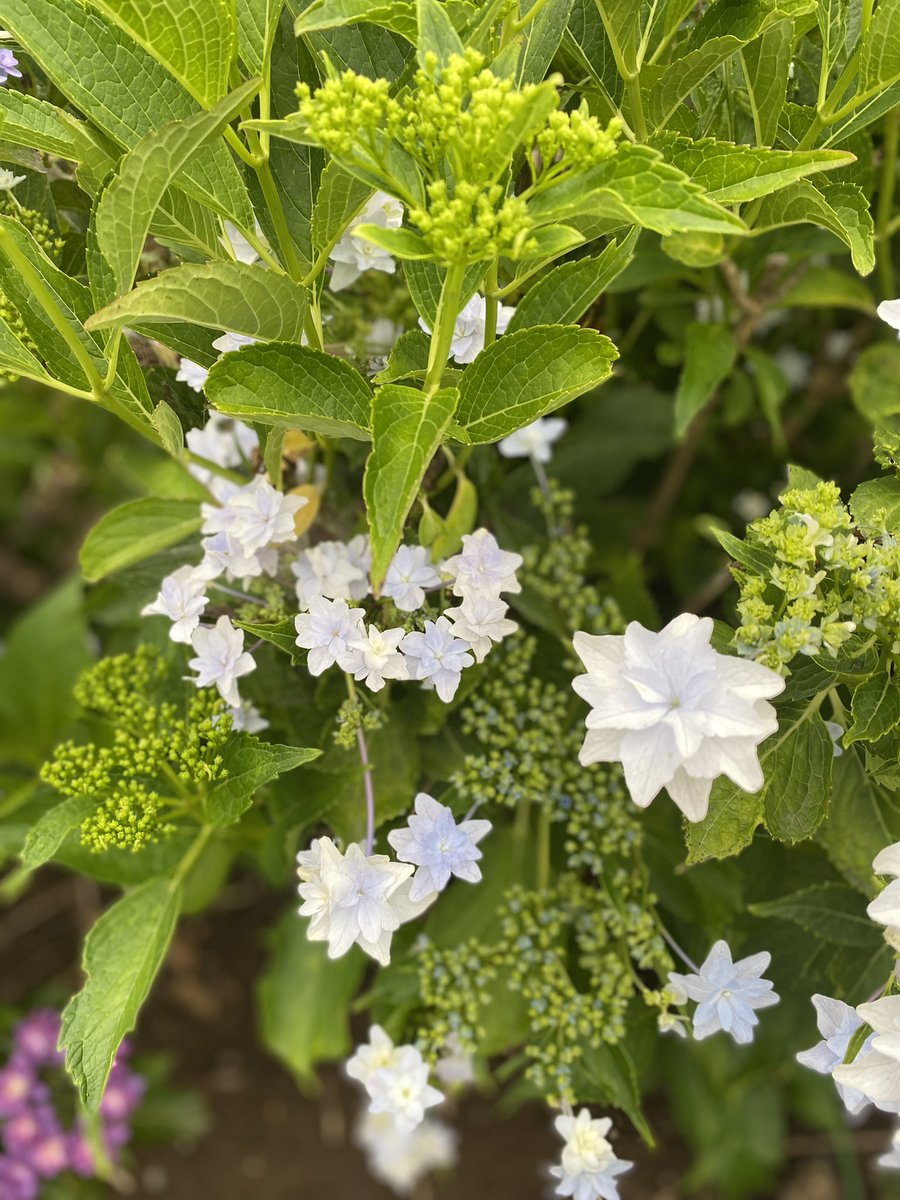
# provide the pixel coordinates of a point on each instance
(589, 1165)
(837, 1023)
(376, 657)
(410, 573)
(885, 908)
(348, 898)
(8, 180)
(437, 657)
(482, 567)
(438, 846)
(221, 659)
(396, 1079)
(674, 712)
(400, 1160)
(481, 620)
(336, 570)
(328, 632)
(876, 1073)
(181, 598)
(246, 529)
(353, 255)
(727, 993)
(535, 441)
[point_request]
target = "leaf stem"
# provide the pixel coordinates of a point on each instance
(444, 324)
(194, 851)
(276, 212)
(885, 204)
(367, 773)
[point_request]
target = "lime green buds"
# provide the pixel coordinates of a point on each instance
(346, 107)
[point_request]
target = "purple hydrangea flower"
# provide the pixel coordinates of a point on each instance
(17, 1083)
(17, 1180)
(36, 1038)
(9, 65)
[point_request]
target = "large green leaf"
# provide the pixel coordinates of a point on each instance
(528, 374)
(250, 764)
(732, 174)
(875, 505)
(636, 187)
(304, 999)
(863, 819)
(120, 87)
(875, 708)
(875, 381)
(398, 15)
(710, 352)
(435, 33)
(340, 198)
(407, 429)
(193, 39)
(122, 955)
(238, 297)
(257, 22)
(134, 531)
(565, 293)
(293, 387)
(842, 208)
(831, 912)
(50, 830)
(125, 209)
(28, 121)
(879, 50)
(766, 63)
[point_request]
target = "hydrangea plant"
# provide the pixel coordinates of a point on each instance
(339, 268)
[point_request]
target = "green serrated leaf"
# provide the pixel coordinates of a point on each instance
(282, 634)
(340, 198)
(798, 780)
(875, 381)
(527, 374)
(192, 39)
(407, 429)
(408, 358)
(250, 764)
(122, 955)
(237, 297)
(841, 208)
(50, 831)
(875, 506)
(710, 353)
(832, 912)
(435, 33)
(875, 708)
(766, 64)
(167, 425)
(295, 387)
(862, 820)
(257, 23)
(757, 558)
(397, 15)
(134, 531)
(564, 294)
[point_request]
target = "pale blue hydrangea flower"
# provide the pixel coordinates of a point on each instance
(727, 992)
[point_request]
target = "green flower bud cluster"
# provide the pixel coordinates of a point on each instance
(825, 582)
(351, 716)
(346, 109)
(475, 223)
(52, 245)
(577, 141)
(455, 988)
(155, 748)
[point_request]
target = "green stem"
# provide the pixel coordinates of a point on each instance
(245, 155)
(543, 850)
(638, 120)
(48, 303)
(285, 241)
(885, 204)
(491, 305)
(523, 22)
(194, 851)
(445, 321)
(809, 138)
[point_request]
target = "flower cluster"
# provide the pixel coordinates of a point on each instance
(808, 580)
(153, 741)
(576, 141)
(674, 712)
(395, 1079)
(41, 1136)
(588, 1165)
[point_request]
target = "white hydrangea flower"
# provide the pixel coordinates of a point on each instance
(377, 657)
(348, 898)
(336, 570)
(221, 659)
(353, 255)
(535, 440)
(877, 1072)
(481, 566)
(181, 598)
(371, 1056)
(438, 847)
(402, 1089)
(255, 516)
(674, 712)
(890, 1160)
(589, 1166)
(8, 180)
(223, 555)
(400, 1160)
(456, 1066)
(889, 311)
(246, 718)
(436, 655)
(727, 992)
(885, 908)
(468, 332)
(195, 377)
(481, 620)
(327, 631)
(410, 573)
(837, 1023)
(223, 441)
(229, 342)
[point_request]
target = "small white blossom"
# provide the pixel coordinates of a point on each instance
(348, 898)
(8, 180)
(9, 65)
(481, 620)
(255, 516)
(222, 554)
(890, 1160)
(438, 656)
(229, 342)
(885, 908)
(221, 659)
(837, 1023)
(371, 1056)
(468, 332)
(353, 255)
(727, 992)
(456, 1066)
(674, 712)
(438, 847)
(246, 718)
(376, 657)
(589, 1165)
(400, 1160)
(336, 570)
(402, 1089)
(181, 598)
(877, 1072)
(535, 440)
(410, 573)
(223, 441)
(889, 311)
(195, 377)
(327, 631)
(481, 566)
